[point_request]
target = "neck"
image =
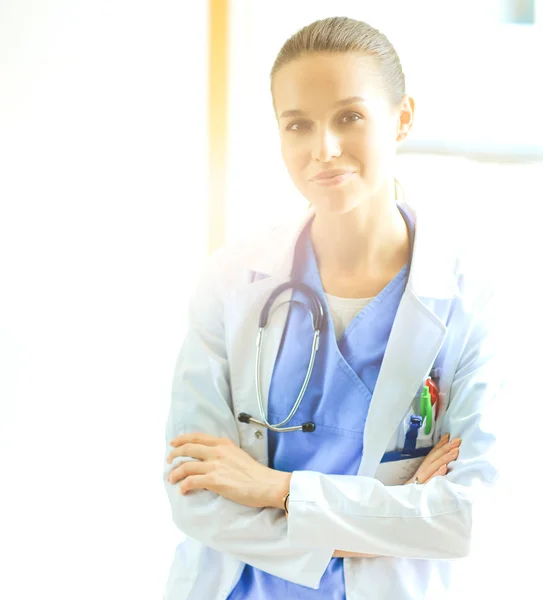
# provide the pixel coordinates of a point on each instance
(371, 239)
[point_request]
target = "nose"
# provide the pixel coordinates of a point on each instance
(326, 145)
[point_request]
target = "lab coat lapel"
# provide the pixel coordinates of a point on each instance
(273, 267)
(413, 345)
(415, 339)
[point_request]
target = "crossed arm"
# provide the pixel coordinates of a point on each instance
(220, 466)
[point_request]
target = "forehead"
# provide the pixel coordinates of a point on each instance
(318, 81)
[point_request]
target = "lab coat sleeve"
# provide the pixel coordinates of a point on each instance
(431, 521)
(201, 402)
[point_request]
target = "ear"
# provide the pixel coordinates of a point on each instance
(405, 118)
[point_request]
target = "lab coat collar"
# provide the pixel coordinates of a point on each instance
(433, 268)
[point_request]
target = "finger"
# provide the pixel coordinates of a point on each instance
(445, 443)
(444, 459)
(453, 455)
(443, 462)
(444, 440)
(438, 453)
(428, 468)
(187, 469)
(192, 451)
(196, 438)
(426, 477)
(196, 482)
(450, 456)
(440, 472)
(441, 444)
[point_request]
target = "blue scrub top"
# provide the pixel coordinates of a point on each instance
(337, 401)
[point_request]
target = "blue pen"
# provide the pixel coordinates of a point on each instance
(410, 444)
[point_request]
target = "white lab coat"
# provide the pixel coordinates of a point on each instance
(444, 311)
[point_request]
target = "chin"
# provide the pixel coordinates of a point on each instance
(337, 204)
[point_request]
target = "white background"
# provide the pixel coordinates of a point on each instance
(102, 230)
(103, 208)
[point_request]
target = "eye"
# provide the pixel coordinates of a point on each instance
(298, 126)
(350, 118)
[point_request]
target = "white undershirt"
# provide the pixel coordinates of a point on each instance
(343, 311)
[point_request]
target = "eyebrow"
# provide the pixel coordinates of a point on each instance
(297, 112)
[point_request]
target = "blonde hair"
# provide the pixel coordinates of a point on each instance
(341, 35)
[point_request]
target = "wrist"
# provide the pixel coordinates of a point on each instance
(280, 490)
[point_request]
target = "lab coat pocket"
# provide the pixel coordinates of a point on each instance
(423, 439)
(400, 465)
(397, 468)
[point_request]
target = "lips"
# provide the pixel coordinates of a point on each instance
(331, 174)
(331, 178)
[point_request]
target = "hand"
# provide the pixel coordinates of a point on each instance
(436, 463)
(224, 468)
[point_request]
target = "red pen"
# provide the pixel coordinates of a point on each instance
(434, 392)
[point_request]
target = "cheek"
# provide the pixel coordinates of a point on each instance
(371, 151)
(296, 159)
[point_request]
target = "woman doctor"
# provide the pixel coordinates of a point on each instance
(344, 509)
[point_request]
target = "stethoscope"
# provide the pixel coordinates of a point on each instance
(317, 313)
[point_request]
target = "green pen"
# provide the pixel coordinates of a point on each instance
(426, 408)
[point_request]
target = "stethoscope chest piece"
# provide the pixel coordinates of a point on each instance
(308, 427)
